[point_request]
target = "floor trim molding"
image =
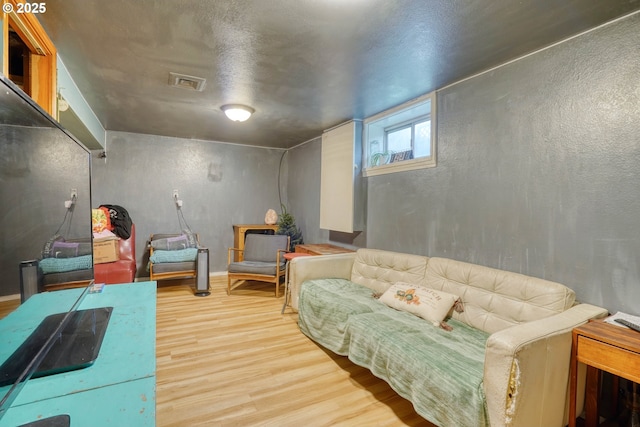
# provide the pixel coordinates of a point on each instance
(9, 297)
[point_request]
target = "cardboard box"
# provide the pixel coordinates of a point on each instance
(105, 251)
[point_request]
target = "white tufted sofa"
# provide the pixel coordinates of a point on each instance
(526, 362)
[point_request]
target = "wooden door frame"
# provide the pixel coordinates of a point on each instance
(43, 69)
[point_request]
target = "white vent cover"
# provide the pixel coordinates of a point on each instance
(187, 82)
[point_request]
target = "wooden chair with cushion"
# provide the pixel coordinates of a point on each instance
(262, 259)
(122, 270)
(170, 270)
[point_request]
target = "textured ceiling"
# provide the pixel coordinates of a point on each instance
(303, 65)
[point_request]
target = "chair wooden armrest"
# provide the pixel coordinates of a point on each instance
(231, 251)
(280, 255)
(258, 267)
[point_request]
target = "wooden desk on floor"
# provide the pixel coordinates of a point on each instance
(119, 388)
(606, 347)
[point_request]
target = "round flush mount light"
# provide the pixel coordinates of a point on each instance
(237, 112)
(63, 105)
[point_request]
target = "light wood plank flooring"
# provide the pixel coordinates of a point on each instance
(236, 361)
(8, 306)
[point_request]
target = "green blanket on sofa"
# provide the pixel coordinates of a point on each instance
(440, 372)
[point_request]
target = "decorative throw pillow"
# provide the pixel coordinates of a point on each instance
(192, 239)
(70, 249)
(430, 304)
(183, 241)
(99, 220)
(47, 249)
(170, 243)
(57, 247)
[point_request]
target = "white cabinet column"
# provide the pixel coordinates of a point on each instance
(341, 185)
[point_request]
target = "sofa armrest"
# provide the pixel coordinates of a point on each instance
(317, 267)
(526, 373)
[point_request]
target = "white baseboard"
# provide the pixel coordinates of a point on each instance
(137, 279)
(9, 297)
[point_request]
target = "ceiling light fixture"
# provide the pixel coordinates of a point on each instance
(237, 112)
(63, 105)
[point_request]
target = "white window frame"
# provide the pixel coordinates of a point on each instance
(404, 165)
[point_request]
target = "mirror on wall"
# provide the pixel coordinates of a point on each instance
(45, 192)
(41, 166)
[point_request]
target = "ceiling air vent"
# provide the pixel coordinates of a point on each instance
(186, 82)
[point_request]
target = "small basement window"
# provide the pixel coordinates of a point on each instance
(402, 138)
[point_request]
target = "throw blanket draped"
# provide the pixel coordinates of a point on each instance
(440, 372)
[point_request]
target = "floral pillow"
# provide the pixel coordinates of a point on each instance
(100, 220)
(430, 304)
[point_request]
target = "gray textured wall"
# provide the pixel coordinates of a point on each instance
(537, 171)
(304, 164)
(303, 190)
(38, 168)
(220, 185)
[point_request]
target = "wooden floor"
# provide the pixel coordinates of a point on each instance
(236, 361)
(8, 306)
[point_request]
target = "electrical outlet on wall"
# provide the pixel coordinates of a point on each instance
(176, 196)
(74, 193)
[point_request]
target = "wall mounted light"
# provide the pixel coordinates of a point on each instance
(237, 112)
(63, 105)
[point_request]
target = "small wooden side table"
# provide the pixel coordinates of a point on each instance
(321, 249)
(606, 347)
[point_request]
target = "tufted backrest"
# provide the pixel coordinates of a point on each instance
(496, 299)
(378, 269)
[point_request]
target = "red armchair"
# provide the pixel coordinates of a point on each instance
(123, 270)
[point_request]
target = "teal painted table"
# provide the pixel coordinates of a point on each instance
(119, 389)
